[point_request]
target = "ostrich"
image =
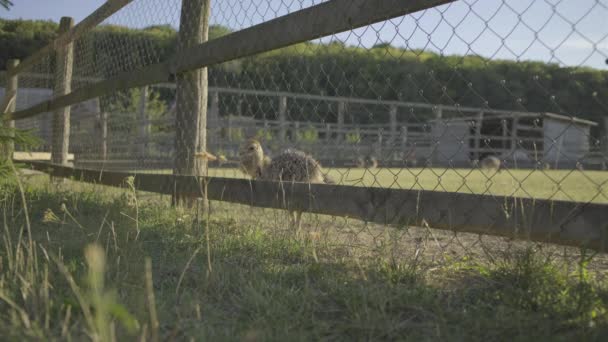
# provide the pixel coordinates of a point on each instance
(490, 163)
(289, 166)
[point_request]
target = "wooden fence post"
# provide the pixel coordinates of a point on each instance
(213, 117)
(478, 124)
(103, 122)
(296, 131)
(213, 122)
(10, 102)
(101, 131)
(214, 108)
(192, 92)
(327, 132)
(514, 126)
(438, 113)
(604, 141)
(143, 127)
(229, 128)
(404, 151)
(266, 128)
(63, 85)
(341, 110)
(380, 136)
(505, 129)
(239, 106)
(282, 118)
(393, 124)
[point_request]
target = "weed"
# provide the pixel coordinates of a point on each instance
(100, 275)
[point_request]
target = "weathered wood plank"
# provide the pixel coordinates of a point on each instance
(192, 92)
(63, 85)
(560, 222)
(126, 80)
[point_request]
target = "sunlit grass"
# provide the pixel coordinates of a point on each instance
(145, 275)
(569, 185)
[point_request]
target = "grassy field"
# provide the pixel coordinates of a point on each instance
(569, 185)
(82, 262)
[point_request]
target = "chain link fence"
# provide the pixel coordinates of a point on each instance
(503, 101)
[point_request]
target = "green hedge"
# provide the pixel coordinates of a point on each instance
(383, 72)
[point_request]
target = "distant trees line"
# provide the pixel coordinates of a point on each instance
(382, 72)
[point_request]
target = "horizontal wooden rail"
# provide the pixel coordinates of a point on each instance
(103, 12)
(310, 23)
(317, 21)
(151, 74)
(560, 222)
(101, 88)
(308, 97)
(495, 113)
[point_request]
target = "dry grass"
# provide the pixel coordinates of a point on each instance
(147, 276)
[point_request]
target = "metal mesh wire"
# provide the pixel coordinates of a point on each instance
(420, 102)
(35, 86)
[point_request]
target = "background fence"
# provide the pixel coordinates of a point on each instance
(399, 100)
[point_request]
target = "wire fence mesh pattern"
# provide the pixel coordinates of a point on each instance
(497, 99)
(317, 169)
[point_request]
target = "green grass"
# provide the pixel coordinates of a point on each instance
(265, 284)
(569, 185)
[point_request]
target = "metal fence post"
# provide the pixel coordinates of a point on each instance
(63, 85)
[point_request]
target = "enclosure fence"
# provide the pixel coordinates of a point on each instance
(472, 117)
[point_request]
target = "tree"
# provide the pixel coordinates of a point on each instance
(6, 4)
(335, 69)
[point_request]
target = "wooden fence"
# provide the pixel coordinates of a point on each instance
(398, 142)
(560, 222)
(568, 223)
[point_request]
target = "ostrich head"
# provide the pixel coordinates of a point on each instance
(251, 158)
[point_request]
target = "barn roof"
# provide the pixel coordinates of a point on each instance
(569, 118)
(511, 114)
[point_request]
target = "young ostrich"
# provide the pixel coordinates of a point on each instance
(289, 166)
(490, 163)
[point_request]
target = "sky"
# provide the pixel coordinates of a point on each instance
(567, 32)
